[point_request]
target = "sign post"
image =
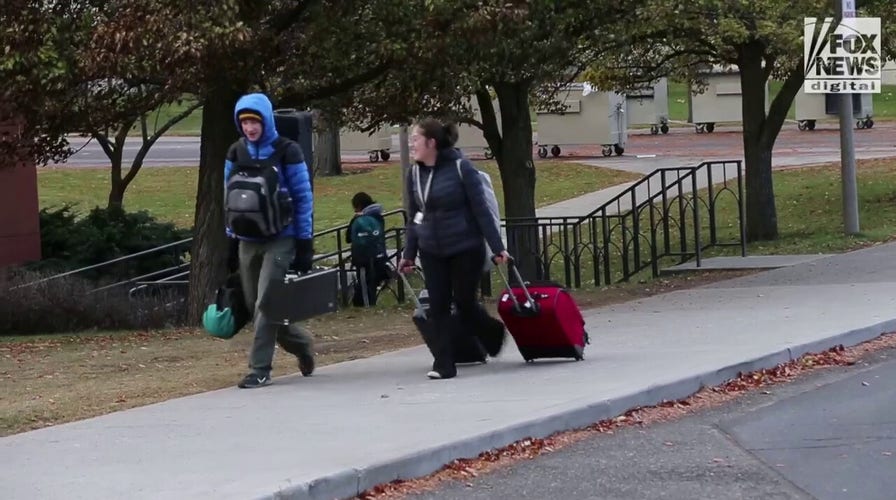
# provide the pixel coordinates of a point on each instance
(849, 185)
(843, 58)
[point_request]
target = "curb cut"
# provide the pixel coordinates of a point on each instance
(351, 482)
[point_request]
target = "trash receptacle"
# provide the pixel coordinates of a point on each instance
(649, 105)
(721, 101)
(588, 118)
(377, 144)
(809, 108)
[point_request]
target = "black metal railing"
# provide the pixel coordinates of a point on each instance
(672, 214)
(176, 275)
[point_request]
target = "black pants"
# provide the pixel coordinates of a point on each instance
(451, 278)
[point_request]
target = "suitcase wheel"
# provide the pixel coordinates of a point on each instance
(529, 360)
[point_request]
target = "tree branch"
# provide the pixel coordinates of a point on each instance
(779, 107)
(104, 142)
(338, 88)
(137, 164)
(769, 65)
(281, 23)
(489, 122)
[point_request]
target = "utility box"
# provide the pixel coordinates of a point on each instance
(721, 101)
(377, 144)
(588, 118)
(649, 105)
(809, 108)
(470, 137)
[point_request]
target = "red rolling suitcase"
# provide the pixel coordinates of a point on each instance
(543, 319)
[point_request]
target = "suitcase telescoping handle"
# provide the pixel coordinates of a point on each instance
(530, 304)
(410, 289)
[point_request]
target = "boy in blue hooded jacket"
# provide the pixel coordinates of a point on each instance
(264, 257)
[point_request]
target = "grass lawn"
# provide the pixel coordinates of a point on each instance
(810, 214)
(64, 378)
(170, 193)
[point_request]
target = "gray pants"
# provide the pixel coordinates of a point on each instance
(260, 264)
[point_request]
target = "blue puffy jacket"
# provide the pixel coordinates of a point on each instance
(294, 174)
(457, 216)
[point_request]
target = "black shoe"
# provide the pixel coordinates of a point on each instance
(306, 364)
(254, 380)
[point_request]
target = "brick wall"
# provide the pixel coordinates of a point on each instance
(19, 223)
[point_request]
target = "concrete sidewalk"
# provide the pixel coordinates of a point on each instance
(357, 424)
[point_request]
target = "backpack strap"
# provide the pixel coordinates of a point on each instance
(280, 145)
(459, 172)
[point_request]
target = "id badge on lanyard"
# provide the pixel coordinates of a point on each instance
(424, 194)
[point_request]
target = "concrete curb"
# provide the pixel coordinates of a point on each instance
(350, 483)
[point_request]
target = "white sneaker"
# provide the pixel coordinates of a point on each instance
(434, 375)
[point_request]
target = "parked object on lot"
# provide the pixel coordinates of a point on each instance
(809, 108)
(377, 144)
(720, 101)
(586, 118)
(649, 105)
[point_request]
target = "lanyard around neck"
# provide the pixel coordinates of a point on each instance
(424, 194)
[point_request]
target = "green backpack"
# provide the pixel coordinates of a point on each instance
(368, 240)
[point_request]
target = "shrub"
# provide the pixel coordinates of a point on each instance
(70, 242)
(68, 304)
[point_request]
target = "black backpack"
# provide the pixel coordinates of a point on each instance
(255, 204)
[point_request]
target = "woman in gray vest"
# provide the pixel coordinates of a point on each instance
(449, 217)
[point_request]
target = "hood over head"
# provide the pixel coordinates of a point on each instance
(259, 105)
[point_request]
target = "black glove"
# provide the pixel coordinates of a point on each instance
(304, 254)
(233, 255)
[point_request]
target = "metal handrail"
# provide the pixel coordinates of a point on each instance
(106, 263)
(166, 246)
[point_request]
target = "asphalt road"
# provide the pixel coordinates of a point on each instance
(167, 151)
(828, 436)
(791, 148)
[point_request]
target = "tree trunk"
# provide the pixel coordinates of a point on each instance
(512, 146)
(327, 160)
(761, 214)
(209, 252)
(114, 151)
(116, 191)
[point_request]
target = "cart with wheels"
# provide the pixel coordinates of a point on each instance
(588, 118)
(810, 108)
(377, 144)
(649, 105)
(720, 101)
(862, 108)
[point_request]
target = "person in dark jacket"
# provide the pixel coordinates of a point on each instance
(368, 228)
(261, 261)
(449, 217)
